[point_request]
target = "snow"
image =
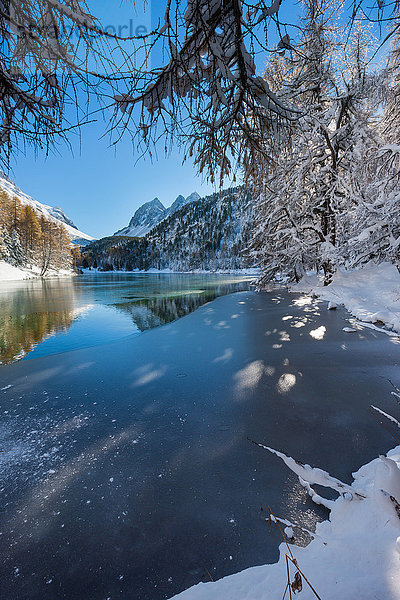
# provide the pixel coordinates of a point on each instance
(371, 294)
(10, 273)
(354, 554)
(54, 214)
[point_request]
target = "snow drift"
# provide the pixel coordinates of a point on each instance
(371, 294)
(354, 554)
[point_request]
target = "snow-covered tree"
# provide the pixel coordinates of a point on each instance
(4, 243)
(208, 94)
(15, 251)
(311, 183)
(203, 90)
(375, 232)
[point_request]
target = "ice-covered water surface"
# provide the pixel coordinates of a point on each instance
(126, 471)
(42, 317)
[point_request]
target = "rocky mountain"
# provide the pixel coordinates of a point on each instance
(208, 234)
(180, 202)
(144, 219)
(60, 215)
(151, 213)
(55, 214)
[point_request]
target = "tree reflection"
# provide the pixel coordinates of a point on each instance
(31, 312)
(148, 313)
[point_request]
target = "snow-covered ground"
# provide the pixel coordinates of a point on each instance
(371, 294)
(354, 554)
(10, 273)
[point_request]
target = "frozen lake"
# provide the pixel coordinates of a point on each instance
(126, 471)
(42, 317)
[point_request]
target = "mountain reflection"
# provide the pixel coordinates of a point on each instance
(32, 312)
(148, 313)
(43, 317)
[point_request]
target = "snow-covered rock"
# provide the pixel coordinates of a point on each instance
(144, 219)
(54, 214)
(177, 204)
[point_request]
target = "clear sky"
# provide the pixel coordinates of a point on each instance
(99, 187)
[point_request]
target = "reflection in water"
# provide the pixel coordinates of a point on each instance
(34, 314)
(148, 313)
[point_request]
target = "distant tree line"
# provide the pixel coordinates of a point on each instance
(117, 253)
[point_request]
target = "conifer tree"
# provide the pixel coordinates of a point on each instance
(16, 253)
(4, 243)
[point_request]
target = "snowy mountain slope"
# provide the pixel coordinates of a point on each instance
(207, 234)
(180, 202)
(55, 214)
(144, 219)
(152, 213)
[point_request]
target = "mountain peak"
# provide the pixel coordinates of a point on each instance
(155, 202)
(145, 217)
(182, 201)
(152, 213)
(193, 197)
(177, 204)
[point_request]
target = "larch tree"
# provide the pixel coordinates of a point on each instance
(204, 91)
(30, 233)
(30, 239)
(378, 217)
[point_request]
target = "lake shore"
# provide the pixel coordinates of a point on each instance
(156, 427)
(252, 272)
(9, 272)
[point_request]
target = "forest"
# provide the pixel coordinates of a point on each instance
(210, 234)
(31, 241)
(330, 197)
